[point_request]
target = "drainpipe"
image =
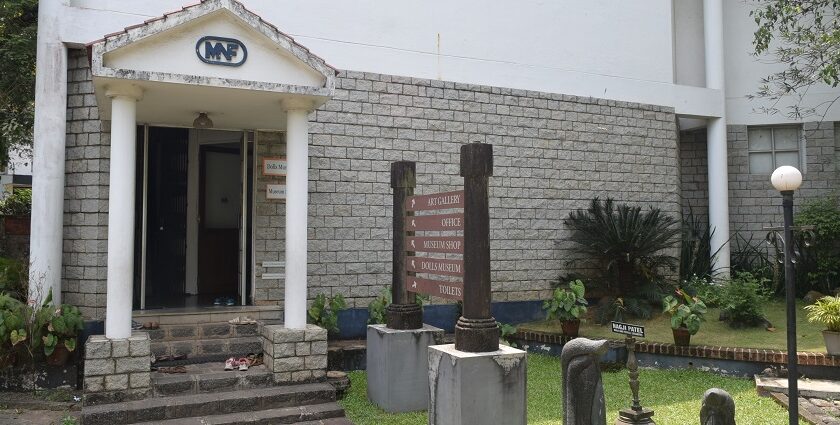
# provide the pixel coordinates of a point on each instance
(716, 137)
(47, 235)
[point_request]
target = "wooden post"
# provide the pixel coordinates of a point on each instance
(403, 312)
(476, 330)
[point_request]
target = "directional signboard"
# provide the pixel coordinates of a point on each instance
(435, 222)
(444, 244)
(628, 329)
(435, 266)
(437, 288)
(436, 201)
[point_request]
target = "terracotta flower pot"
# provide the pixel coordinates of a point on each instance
(570, 327)
(682, 337)
(16, 225)
(59, 356)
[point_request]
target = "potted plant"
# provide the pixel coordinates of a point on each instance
(686, 315)
(324, 313)
(16, 210)
(826, 311)
(59, 334)
(567, 305)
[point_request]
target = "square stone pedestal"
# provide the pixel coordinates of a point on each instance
(295, 356)
(117, 370)
(398, 366)
(477, 388)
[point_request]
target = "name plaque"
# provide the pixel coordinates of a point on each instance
(444, 244)
(628, 329)
(275, 191)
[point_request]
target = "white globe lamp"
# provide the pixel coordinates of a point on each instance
(786, 178)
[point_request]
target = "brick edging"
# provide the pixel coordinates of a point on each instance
(757, 355)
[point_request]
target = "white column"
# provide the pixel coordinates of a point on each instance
(716, 136)
(121, 212)
(48, 155)
(297, 210)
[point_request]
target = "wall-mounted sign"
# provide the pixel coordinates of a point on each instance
(275, 191)
(221, 51)
(274, 166)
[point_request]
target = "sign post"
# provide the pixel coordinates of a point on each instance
(476, 330)
(636, 414)
(403, 312)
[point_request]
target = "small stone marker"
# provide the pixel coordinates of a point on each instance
(636, 414)
(583, 390)
(718, 408)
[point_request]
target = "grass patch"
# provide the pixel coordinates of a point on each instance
(713, 331)
(674, 395)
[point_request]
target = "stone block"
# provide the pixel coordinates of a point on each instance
(132, 364)
(94, 383)
(288, 364)
(99, 367)
(116, 382)
(301, 376)
(303, 348)
(282, 377)
(315, 333)
(139, 380)
(318, 347)
(279, 334)
(315, 362)
(398, 366)
(119, 348)
(477, 388)
(96, 348)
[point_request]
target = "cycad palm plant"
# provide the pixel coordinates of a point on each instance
(626, 239)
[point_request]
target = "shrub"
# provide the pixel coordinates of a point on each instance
(376, 308)
(742, 300)
(753, 257)
(703, 288)
(17, 203)
(695, 248)
(821, 270)
(507, 332)
(566, 304)
(826, 311)
(324, 312)
(14, 278)
(627, 241)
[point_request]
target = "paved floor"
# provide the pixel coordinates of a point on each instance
(36, 417)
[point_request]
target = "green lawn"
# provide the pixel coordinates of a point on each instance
(712, 331)
(674, 395)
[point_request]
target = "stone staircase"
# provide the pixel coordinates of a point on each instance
(207, 394)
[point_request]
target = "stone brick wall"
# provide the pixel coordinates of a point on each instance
(295, 355)
(117, 369)
(753, 202)
(85, 193)
(553, 153)
(269, 221)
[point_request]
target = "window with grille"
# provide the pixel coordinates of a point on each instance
(772, 147)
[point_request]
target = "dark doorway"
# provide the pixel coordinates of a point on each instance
(166, 215)
(219, 221)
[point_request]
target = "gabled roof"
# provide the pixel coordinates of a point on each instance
(187, 14)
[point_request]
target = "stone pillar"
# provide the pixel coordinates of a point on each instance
(295, 355)
(46, 240)
(121, 211)
(117, 370)
(297, 211)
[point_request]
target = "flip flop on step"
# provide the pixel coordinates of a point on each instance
(172, 369)
(243, 364)
(242, 320)
(231, 363)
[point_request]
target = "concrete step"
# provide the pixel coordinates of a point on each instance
(184, 332)
(312, 414)
(209, 349)
(209, 377)
(330, 421)
(182, 407)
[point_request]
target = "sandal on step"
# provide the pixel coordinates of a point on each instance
(242, 320)
(230, 363)
(172, 369)
(243, 364)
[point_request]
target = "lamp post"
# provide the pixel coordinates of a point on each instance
(787, 179)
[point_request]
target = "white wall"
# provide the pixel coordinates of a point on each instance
(605, 48)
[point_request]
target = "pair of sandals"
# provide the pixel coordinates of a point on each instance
(242, 363)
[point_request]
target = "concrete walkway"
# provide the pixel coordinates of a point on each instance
(819, 399)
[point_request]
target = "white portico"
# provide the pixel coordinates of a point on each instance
(218, 58)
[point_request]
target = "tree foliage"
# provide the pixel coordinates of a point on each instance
(804, 35)
(18, 34)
